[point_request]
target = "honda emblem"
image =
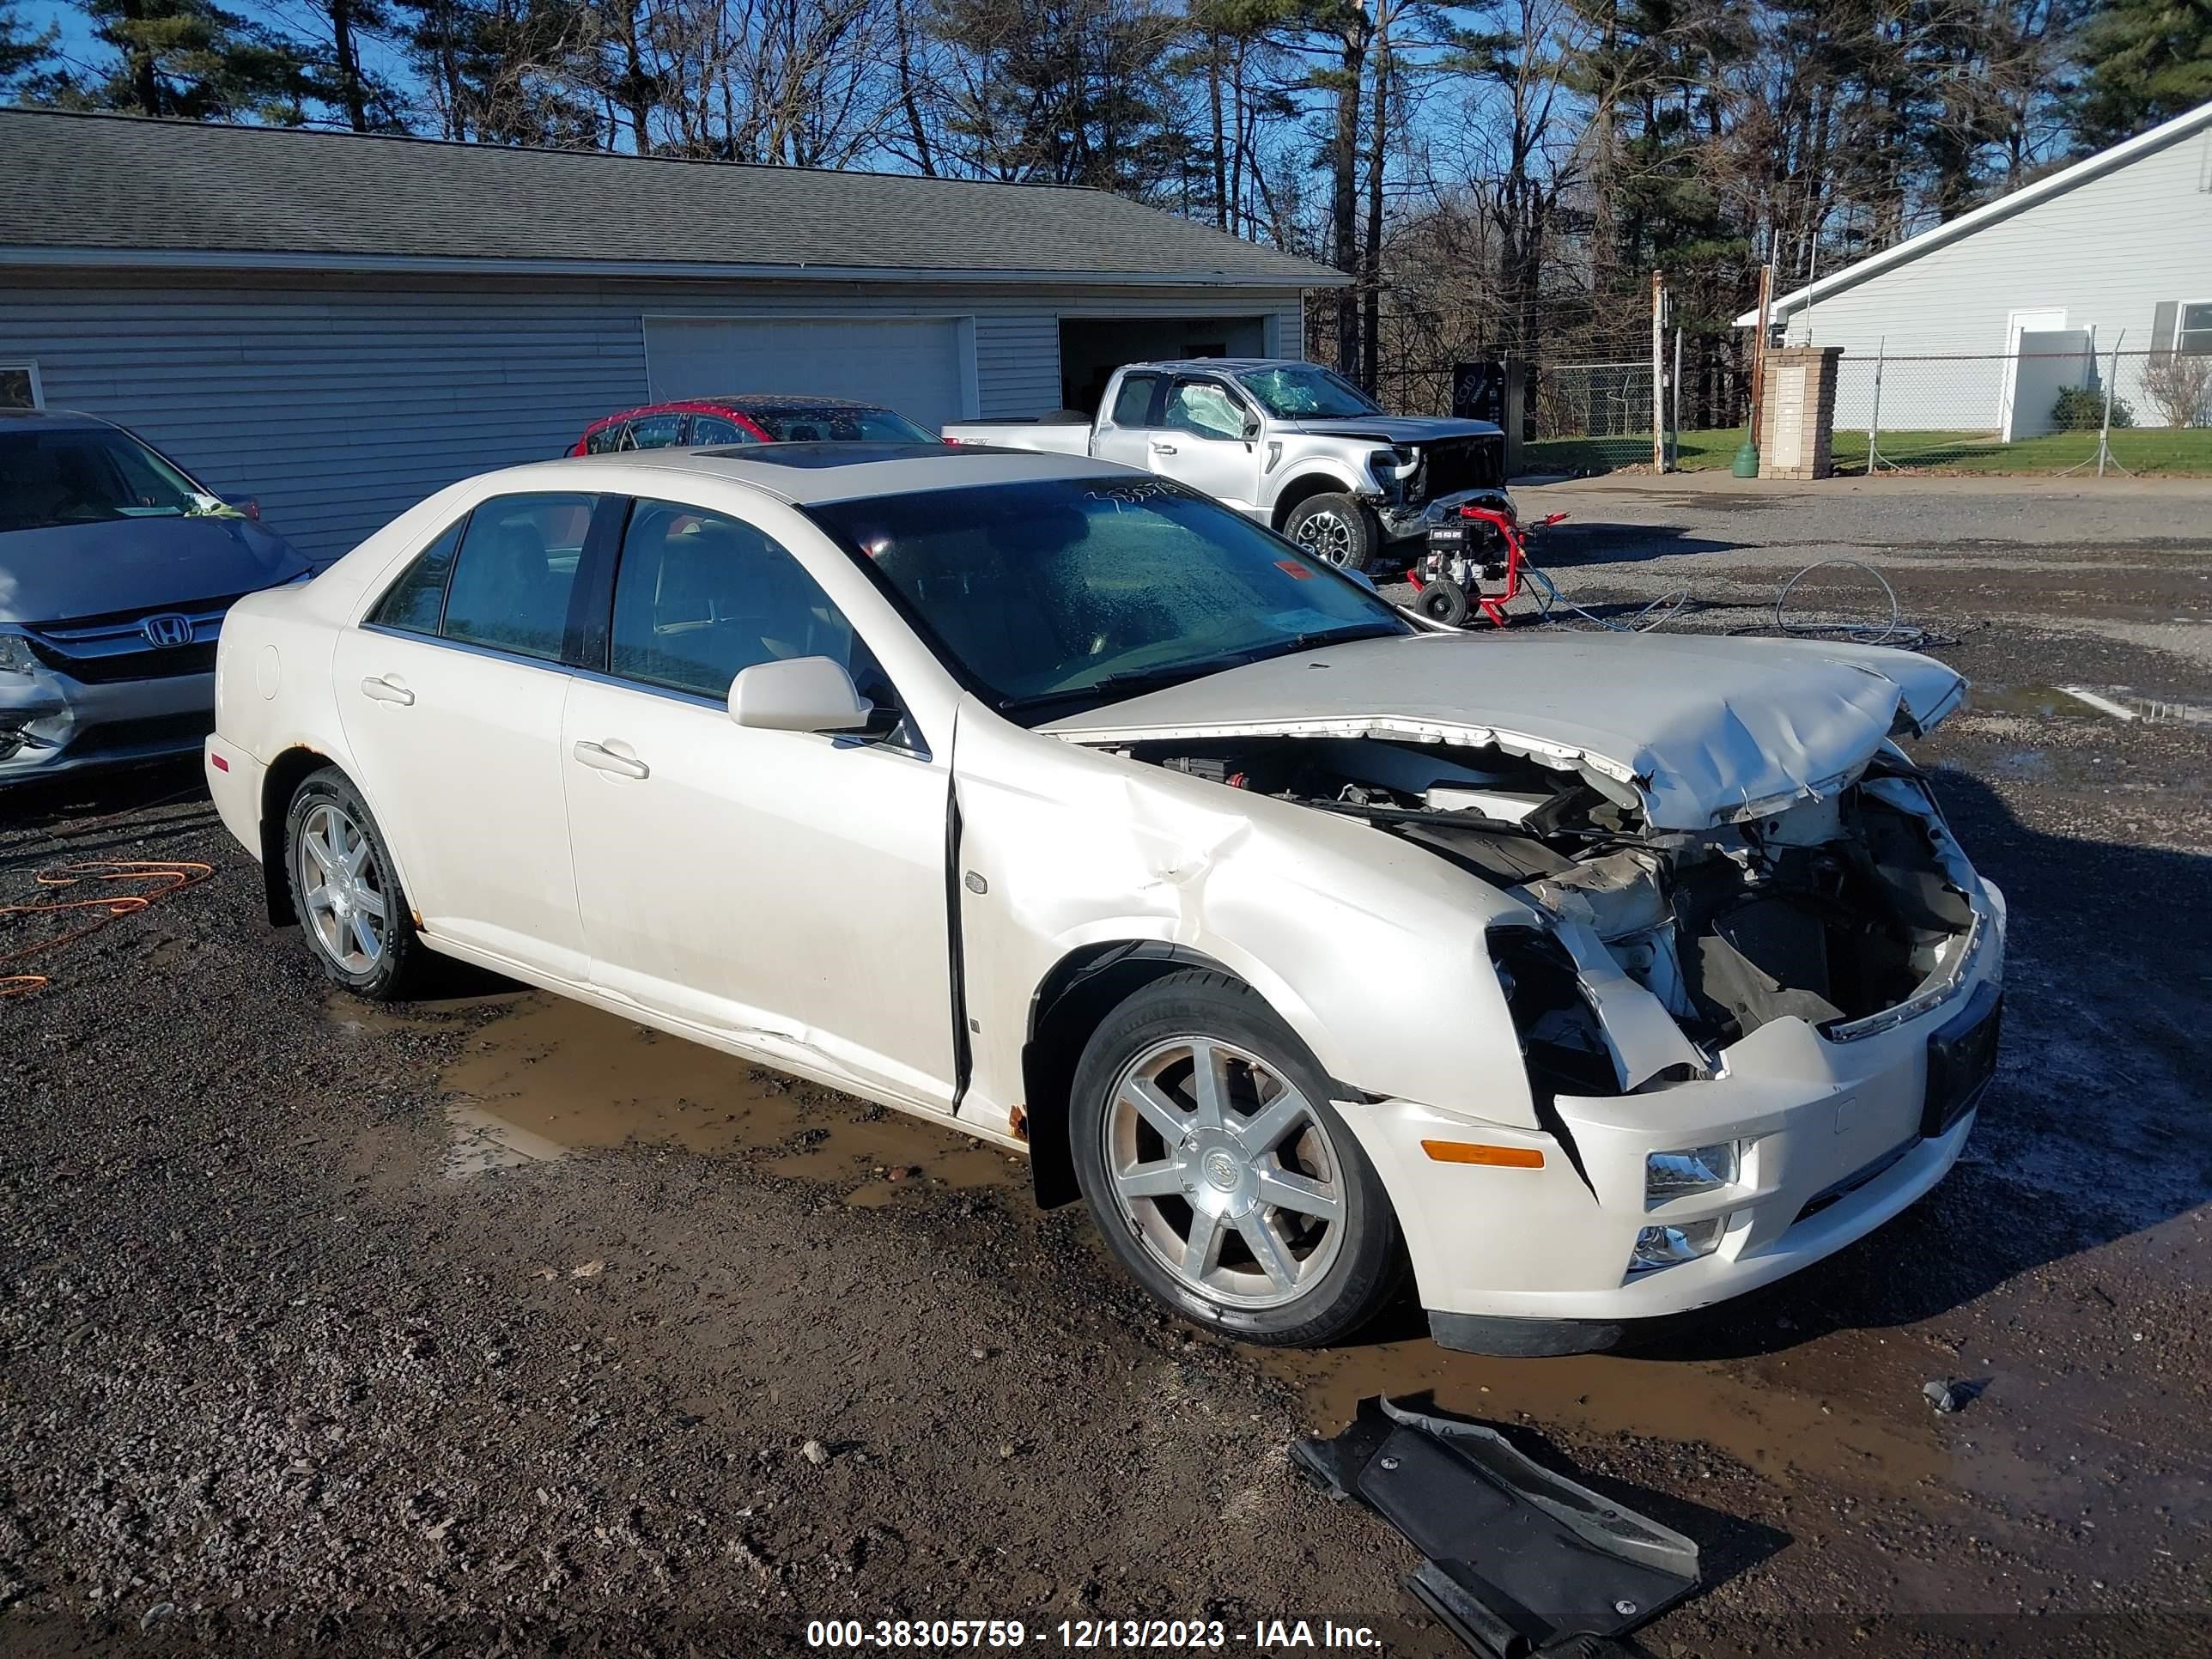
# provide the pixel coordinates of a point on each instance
(168, 629)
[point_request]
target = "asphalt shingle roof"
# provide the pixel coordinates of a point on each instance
(117, 182)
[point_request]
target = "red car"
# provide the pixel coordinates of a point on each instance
(751, 418)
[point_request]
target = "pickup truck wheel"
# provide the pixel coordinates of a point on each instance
(1218, 1172)
(1335, 528)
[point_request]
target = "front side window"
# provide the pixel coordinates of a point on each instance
(1133, 404)
(654, 431)
(701, 596)
(2194, 338)
(1204, 408)
(514, 571)
(1049, 596)
(1301, 391)
(837, 424)
(713, 429)
(91, 475)
(604, 439)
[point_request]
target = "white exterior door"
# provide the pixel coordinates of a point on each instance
(451, 694)
(1200, 442)
(923, 368)
(787, 889)
(2017, 324)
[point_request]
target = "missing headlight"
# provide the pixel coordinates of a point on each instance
(1561, 1040)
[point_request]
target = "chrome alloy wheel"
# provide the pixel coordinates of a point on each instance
(338, 882)
(1224, 1172)
(1327, 536)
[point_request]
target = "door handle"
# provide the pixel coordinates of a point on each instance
(600, 758)
(378, 690)
(1163, 449)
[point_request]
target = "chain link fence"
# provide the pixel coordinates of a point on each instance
(2058, 405)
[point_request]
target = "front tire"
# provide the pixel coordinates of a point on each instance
(346, 893)
(1335, 529)
(1220, 1175)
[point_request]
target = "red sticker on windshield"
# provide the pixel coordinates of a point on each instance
(1301, 572)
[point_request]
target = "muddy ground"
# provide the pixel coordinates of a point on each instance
(493, 1324)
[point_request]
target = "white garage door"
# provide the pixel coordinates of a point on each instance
(915, 367)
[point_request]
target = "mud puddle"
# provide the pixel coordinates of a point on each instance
(550, 1077)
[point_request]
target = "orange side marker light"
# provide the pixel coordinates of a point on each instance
(1475, 1152)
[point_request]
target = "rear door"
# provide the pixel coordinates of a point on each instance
(787, 889)
(451, 692)
(1123, 430)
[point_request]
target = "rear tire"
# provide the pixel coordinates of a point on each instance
(1335, 529)
(1248, 1206)
(346, 891)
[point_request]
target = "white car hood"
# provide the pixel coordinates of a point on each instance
(1706, 729)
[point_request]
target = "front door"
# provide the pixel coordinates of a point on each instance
(451, 694)
(2017, 324)
(787, 889)
(1200, 441)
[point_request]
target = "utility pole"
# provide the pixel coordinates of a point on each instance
(1658, 372)
(1746, 464)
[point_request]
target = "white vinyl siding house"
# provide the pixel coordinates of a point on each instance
(340, 384)
(2114, 251)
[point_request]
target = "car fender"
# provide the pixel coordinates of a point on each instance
(1287, 480)
(1372, 949)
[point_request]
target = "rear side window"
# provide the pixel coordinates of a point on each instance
(514, 571)
(416, 602)
(655, 432)
(1133, 404)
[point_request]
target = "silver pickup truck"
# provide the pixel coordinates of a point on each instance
(1293, 444)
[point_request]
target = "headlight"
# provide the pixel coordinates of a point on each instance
(1699, 1169)
(17, 656)
(1663, 1247)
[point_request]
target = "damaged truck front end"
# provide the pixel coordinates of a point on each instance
(1755, 1004)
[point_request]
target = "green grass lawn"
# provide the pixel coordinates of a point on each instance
(2173, 452)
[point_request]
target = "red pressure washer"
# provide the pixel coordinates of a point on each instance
(1453, 575)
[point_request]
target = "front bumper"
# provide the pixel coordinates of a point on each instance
(64, 724)
(1831, 1147)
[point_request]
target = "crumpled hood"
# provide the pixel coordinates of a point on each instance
(1706, 730)
(1397, 428)
(66, 571)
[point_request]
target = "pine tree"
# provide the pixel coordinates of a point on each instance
(24, 56)
(187, 58)
(2148, 61)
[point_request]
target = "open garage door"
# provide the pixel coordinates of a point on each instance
(917, 367)
(1092, 348)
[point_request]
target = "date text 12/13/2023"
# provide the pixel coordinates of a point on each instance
(1262, 1636)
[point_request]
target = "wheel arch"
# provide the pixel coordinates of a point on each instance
(1302, 486)
(1070, 1004)
(291, 768)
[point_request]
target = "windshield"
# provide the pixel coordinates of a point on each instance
(1299, 391)
(792, 423)
(1050, 596)
(90, 474)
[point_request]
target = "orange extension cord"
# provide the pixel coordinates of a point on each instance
(156, 878)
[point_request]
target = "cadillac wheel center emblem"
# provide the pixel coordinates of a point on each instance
(168, 629)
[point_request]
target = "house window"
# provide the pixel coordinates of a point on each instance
(2194, 335)
(19, 387)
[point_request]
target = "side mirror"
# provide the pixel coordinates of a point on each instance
(248, 505)
(1251, 428)
(799, 693)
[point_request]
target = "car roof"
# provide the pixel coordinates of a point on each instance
(804, 474)
(51, 420)
(1218, 365)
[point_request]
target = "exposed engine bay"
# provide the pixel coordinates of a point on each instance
(1834, 910)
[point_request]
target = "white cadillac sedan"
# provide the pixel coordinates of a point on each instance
(1592, 978)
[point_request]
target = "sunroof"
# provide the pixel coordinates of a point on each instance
(815, 456)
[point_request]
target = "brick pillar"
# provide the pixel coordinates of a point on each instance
(1798, 418)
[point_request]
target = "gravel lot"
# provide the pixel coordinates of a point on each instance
(491, 1324)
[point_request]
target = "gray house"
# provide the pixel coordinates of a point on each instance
(341, 324)
(1997, 311)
